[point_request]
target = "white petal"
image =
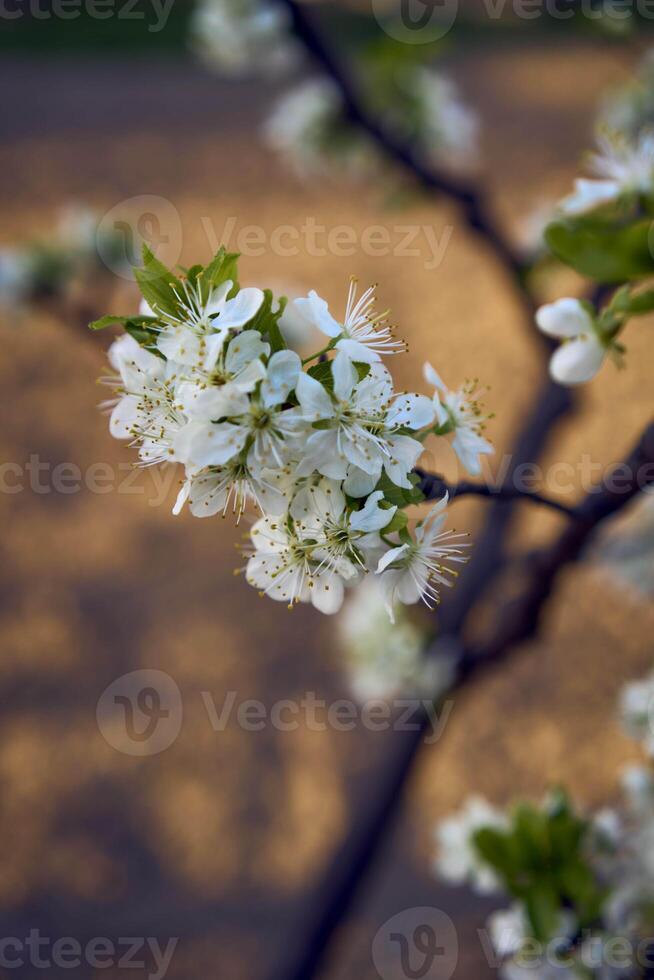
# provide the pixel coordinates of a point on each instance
(577, 361)
(313, 398)
(358, 483)
(405, 454)
(394, 554)
(468, 446)
(209, 445)
(247, 380)
(432, 376)
(414, 411)
(564, 318)
(282, 375)
(124, 417)
(246, 347)
(589, 194)
(316, 311)
(345, 376)
(327, 592)
(372, 517)
(357, 351)
(240, 310)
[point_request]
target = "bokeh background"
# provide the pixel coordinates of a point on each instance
(221, 840)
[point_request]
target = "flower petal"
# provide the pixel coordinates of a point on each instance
(577, 361)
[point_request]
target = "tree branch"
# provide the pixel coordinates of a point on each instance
(470, 198)
(435, 486)
(516, 623)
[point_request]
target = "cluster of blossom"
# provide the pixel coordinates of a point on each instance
(630, 109)
(237, 37)
(618, 848)
(324, 448)
(445, 129)
(383, 659)
(46, 266)
(308, 126)
(308, 129)
(621, 189)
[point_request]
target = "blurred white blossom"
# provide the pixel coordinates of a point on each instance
(623, 166)
(384, 660)
(243, 37)
(308, 129)
(582, 351)
(457, 859)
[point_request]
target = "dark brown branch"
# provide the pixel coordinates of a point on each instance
(435, 486)
(519, 620)
(471, 199)
(347, 873)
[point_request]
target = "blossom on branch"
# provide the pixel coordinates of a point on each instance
(324, 449)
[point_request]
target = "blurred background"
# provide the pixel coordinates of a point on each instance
(221, 839)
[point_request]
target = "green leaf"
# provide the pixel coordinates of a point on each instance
(322, 372)
(398, 523)
(222, 268)
(605, 250)
(627, 303)
(543, 907)
(158, 285)
(399, 495)
(123, 321)
(495, 848)
(266, 321)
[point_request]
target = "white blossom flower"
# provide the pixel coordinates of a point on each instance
(385, 660)
(285, 567)
(363, 335)
(457, 858)
(203, 325)
(637, 711)
(582, 352)
(15, 276)
(447, 128)
(413, 570)
(461, 412)
(239, 37)
(359, 427)
(217, 489)
(623, 166)
(508, 929)
(307, 128)
(211, 386)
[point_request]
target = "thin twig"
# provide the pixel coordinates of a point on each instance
(435, 486)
